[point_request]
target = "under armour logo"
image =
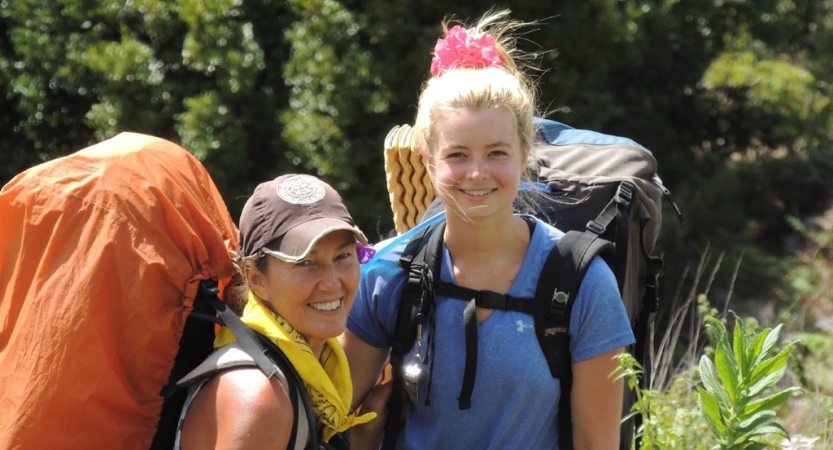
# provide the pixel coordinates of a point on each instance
(560, 297)
(521, 326)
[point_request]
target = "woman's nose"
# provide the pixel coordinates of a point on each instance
(477, 169)
(329, 280)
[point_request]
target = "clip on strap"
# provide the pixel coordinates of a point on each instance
(596, 227)
(624, 194)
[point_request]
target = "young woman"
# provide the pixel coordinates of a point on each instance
(474, 128)
(299, 265)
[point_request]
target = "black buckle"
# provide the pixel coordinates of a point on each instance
(490, 300)
(208, 287)
(595, 227)
(415, 277)
(624, 194)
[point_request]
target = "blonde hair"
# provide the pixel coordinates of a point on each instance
(492, 87)
(504, 86)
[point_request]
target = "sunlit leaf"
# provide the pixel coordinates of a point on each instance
(771, 365)
(771, 340)
(766, 382)
(727, 371)
(711, 412)
(748, 426)
(712, 382)
(770, 402)
(739, 348)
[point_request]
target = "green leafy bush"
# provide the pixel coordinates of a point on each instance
(742, 371)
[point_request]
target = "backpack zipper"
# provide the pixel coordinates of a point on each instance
(658, 182)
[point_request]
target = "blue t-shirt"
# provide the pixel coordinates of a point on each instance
(515, 399)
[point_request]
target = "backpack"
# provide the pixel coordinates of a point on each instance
(109, 259)
(209, 311)
(602, 191)
(101, 256)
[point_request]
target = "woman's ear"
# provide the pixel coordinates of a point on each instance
(257, 281)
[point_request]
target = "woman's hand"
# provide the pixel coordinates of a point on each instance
(369, 435)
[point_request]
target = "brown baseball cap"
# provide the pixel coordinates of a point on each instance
(285, 217)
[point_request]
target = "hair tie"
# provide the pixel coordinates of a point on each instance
(462, 49)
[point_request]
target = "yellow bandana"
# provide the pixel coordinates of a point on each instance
(329, 386)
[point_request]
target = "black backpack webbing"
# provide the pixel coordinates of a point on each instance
(558, 286)
(195, 345)
(417, 302)
(263, 351)
(568, 262)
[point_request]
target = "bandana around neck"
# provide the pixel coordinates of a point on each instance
(328, 382)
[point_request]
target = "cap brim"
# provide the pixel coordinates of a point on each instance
(298, 242)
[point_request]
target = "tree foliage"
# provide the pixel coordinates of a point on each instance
(254, 89)
(733, 96)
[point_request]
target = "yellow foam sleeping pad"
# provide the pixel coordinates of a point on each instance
(409, 185)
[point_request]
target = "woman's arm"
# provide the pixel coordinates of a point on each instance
(597, 403)
(366, 363)
(239, 409)
(369, 435)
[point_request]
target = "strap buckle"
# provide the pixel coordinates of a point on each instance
(415, 272)
(558, 303)
(624, 194)
(491, 300)
(595, 227)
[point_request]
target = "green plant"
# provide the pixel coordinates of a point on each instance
(649, 434)
(669, 419)
(733, 384)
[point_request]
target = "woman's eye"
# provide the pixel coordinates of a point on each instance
(499, 153)
(343, 256)
(303, 263)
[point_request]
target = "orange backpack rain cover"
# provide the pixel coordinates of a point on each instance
(101, 254)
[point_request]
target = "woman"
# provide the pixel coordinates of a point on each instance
(299, 266)
(474, 128)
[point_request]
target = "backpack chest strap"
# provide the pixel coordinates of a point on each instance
(483, 299)
(490, 299)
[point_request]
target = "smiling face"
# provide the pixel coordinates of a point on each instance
(315, 294)
(477, 161)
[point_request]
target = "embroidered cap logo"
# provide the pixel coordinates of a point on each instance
(301, 190)
(463, 49)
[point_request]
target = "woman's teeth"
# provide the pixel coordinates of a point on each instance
(329, 306)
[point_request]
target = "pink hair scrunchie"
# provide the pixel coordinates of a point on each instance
(461, 49)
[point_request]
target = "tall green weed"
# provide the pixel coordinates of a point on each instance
(735, 398)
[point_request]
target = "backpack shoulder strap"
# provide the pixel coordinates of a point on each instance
(416, 304)
(227, 357)
(557, 289)
(268, 357)
(418, 260)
